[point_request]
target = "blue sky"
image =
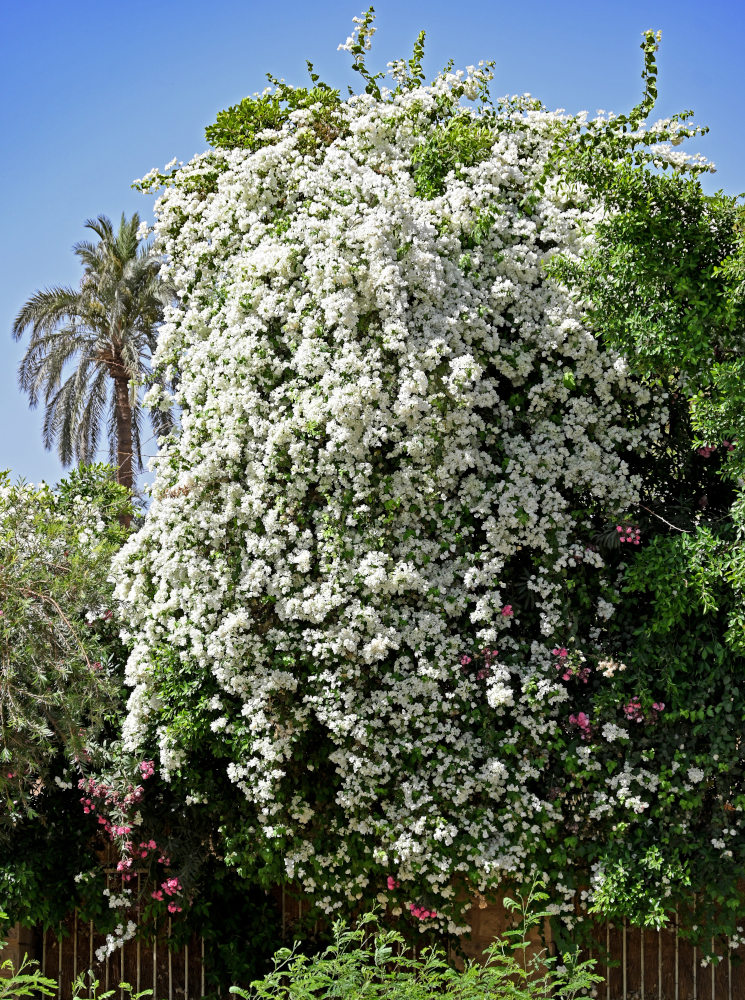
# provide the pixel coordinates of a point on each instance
(94, 94)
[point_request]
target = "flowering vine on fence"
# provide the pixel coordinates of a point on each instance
(377, 583)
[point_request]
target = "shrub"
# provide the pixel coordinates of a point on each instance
(368, 961)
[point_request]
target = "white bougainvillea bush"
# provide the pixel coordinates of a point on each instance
(373, 591)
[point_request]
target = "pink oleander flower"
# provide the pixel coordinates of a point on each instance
(465, 660)
(171, 886)
(157, 895)
(392, 883)
(507, 611)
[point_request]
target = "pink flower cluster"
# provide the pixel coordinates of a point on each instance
(708, 450)
(420, 913)
(392, 883)
(103, 798)
(568, 670)
(147, 846)
(114, 815)
(582, 719)
(634, 712)
(170, 887)
(489, 656)
(507, 611)
(631, 535)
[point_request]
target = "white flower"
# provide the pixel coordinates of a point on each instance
(379, 447)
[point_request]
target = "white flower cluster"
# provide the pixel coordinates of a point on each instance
(394, 430)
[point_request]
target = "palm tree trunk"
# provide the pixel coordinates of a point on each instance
(124, 473)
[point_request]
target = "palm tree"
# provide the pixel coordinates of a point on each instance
(108, 328)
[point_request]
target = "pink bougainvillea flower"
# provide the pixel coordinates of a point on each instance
(582, 720)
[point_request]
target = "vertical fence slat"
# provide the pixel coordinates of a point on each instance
(625, 963)
(202, 968)
(75, 946)
(155, 963)
(695, 966)
(106, 966)
(607, 960)
(59, 965)
(713, 973)
(677, 944)
(170, 961)
(186, 972)
(641, 964)
(659, 963)
(138, 955)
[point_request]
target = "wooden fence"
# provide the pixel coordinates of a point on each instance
(644, 965)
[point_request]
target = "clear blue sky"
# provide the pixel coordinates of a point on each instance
(94, 94)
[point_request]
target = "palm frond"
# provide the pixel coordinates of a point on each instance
(107, 327)
(45, 309)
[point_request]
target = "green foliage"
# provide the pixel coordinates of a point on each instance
(634, 884)
(368, 961)
(461, 141)
(25, 981)
(61, 687)
(245, 125)
(86, 987)
(664, 279)
(662, 283)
